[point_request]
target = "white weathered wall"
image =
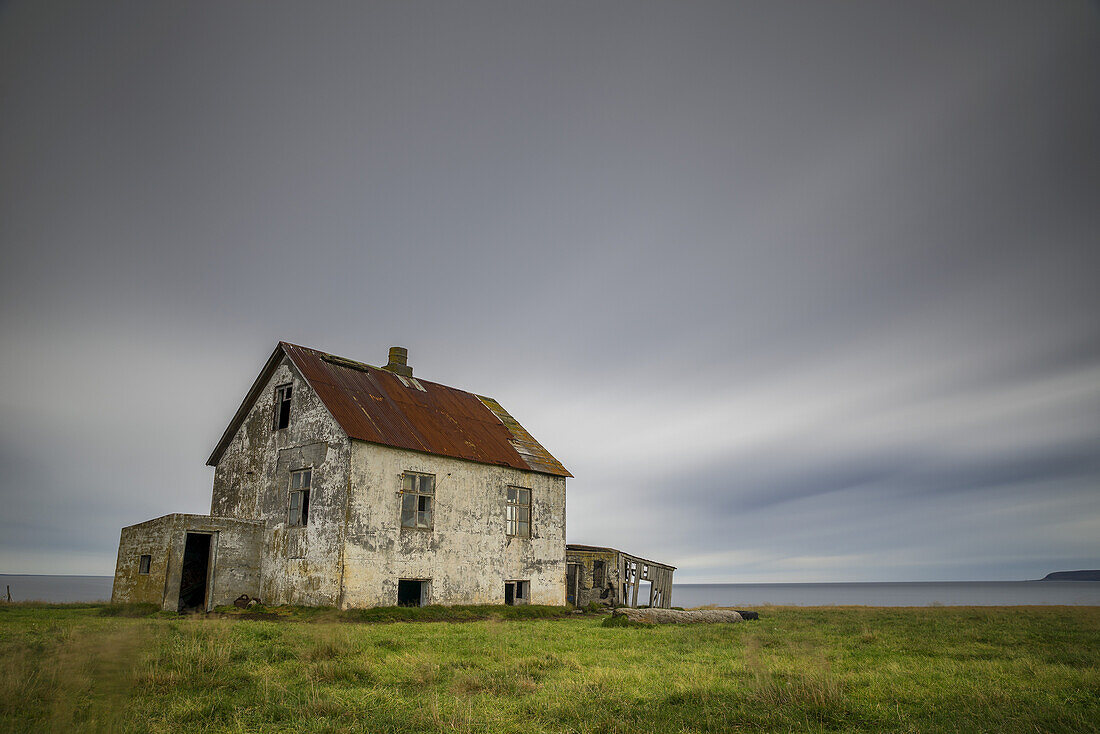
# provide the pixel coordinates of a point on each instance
(299, 565)
(466, 555)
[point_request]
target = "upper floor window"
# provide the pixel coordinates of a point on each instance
(143, 566)
(417, 493)
(300, 482)
(282, 406)
(518, 512)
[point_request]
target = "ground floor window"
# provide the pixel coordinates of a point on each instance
(516, 592)
(413, 592)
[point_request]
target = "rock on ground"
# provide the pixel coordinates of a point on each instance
(675, 616)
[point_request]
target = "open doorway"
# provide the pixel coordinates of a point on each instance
(412, 592)
(572, 578)
(196, 571)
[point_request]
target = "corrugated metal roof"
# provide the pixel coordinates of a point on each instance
(377, 406)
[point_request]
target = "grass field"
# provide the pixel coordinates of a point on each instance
(1022, 669)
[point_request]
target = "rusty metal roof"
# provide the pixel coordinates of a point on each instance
(374, 405)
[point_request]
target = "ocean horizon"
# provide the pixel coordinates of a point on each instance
(73, 588)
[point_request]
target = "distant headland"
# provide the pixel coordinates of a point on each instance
(1073, 576)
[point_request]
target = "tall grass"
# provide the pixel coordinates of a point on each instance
(65, 676)
(844, 669)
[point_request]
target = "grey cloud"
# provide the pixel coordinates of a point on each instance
(787, 287)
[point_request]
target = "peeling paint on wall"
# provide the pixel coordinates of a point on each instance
(467, 554)
(352, 549)
(301, 565)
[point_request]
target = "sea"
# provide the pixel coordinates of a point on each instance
(875, 594)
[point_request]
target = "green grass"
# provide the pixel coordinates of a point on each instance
(433, 613)
(821, 669)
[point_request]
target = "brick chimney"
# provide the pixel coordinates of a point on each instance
(399, 362)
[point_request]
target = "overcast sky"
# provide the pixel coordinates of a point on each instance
(798, 291)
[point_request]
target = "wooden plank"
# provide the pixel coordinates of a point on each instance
(637, 583)
(624, 581)
(620, 585)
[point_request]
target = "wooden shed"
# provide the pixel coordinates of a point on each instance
(612, 578)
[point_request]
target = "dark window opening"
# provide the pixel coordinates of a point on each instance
(412, 592)
(599, 575)
(571, 577)
(417, 493)
(300, 483)
(144, 563)
(196, 569)
(282, 406)
(515, 592)
(518, 512)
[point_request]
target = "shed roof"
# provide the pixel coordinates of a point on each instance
(374, 405)
(577, 548)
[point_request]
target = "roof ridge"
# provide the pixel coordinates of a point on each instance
(346, 362)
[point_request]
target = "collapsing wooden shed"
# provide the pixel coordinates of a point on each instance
(612, 578)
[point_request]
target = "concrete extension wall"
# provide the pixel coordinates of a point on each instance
(466, 555)
(234, 559)
(301, 565)
(586, 592)
(149, 538)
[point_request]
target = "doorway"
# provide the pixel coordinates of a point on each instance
(412, 592)
(572, 579)
(196, 571)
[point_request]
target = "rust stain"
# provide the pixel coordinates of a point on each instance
(437, 420)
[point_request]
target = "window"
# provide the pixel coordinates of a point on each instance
(518, 512)
(516, 592)
(300, 482)
(282, 406)
(598, 574)
(413, 592)
(417, 491)
(144, 563)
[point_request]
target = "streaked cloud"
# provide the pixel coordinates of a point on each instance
(797, 292)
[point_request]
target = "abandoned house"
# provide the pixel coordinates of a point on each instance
(612, 578)
(337, 483)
